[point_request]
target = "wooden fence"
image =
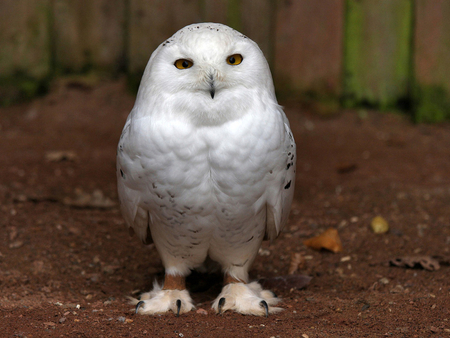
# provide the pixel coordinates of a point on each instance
(380, 53)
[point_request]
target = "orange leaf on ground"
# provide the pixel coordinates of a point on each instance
(328, 240)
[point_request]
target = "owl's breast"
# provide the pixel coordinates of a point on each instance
(182, 171)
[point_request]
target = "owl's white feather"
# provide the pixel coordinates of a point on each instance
(206, 160)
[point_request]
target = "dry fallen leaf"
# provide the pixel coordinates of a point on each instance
(425, 262)
(60, 155)
(328, 240)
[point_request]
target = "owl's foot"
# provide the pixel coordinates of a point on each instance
(162, 300)
(248, 299)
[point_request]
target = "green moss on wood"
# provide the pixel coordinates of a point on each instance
(21, 87)
(432, 104)
(234, 14)
(377, 52)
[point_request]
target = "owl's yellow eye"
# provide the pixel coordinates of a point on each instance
(234, 59)
(183, 64)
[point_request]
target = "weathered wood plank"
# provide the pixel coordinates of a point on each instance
(153, 21)
(308, 46)
(432, 60)
(24, 38)
(257, 22)
(253, 18)
(377, 52)
(89, 35)
(214, 11)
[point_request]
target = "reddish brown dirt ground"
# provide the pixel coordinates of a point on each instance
(66, 271)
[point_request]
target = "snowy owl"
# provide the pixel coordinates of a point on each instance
(206, 166)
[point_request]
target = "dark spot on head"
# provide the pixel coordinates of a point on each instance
(288, 166)
(288, 185)
(122, 174)
(271, 172)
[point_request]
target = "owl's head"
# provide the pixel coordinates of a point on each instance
(208, 72)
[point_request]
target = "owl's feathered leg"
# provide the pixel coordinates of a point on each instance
(173, 296)
(248, 299)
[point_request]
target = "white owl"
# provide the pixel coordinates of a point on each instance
(206, 165)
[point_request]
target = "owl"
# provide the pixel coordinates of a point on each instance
(206, 166)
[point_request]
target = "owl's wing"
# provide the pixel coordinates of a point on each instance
(137, 218)
(282, 192)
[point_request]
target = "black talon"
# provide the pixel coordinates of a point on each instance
(138, 305)
(221, 304)
(178, 307)
(263, 303)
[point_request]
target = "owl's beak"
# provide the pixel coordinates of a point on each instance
(212, 88)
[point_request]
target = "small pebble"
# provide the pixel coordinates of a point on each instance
(62, 320)
(13, 233)
(397, 289)
(110, 269)
(201, 311)
(16, 244)
(384, 281)
(121, 319)
(263, 252)
(434, 329)
(379, 225)
(49, 324)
